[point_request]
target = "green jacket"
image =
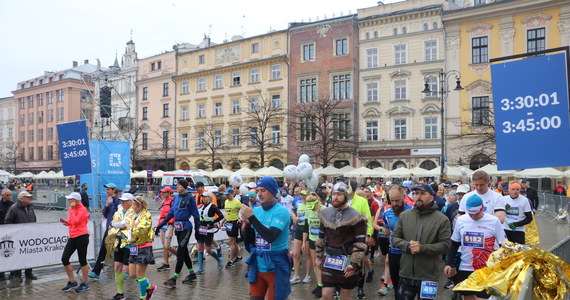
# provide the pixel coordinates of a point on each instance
(361, 206)
(431, 228)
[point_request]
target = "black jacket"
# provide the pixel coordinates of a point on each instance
(4, 206)
(17, 213)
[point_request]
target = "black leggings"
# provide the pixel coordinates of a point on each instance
(182, 255)
(394, 263)
(80, 244)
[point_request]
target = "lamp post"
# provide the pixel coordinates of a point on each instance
(443, 78)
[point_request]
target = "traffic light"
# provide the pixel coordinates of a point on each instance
(105, 102)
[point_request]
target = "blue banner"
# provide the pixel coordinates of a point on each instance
(532, 126)
(111, 164)
(74, 148)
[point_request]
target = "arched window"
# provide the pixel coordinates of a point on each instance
(478, 161)
(277, 163)
(184, 166)
(218, 166)
(375, 34)
(373, 165)
(428, 165)
(426, 26)
(254, 165)
(236, 166)
(395, 31)
(341, 163)
(202, 166)
(404, 30)
(398, 164)
(434, 25)
(368, 35)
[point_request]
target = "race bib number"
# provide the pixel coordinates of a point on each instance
(178, 226)
(301, 218)
(314, 230)
(229, 226)
(261, 243)
(203, 230)
(513, 211)
(428, 290)
(474, 239)
(338, 263)
(134, 250)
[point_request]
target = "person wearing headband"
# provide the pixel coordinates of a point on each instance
(142, 236)
(311, 234)
(519, 213)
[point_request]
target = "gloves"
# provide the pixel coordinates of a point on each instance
(157, 231)
(512, 226)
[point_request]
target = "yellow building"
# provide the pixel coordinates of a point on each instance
(477, 33)
(231, 101)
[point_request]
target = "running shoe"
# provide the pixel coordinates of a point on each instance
(92, 275)
(119, 297)
(31, 277)
(164, 267)
(383, 290)
(336, 295)
(219, 251)
(220, 263)
(307, 279)
(170, 283)
(190, 278)
(449, 284)
(360, 294)
(390, 285)
(238, 259)
(370, 276)
(295, 279)
(230, 264)
(82, 287)
(150, 291)
(318, 291)
(70, 285)
(199, 271)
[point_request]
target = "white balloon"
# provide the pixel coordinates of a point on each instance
(243, 189)
(290, 172)
(305, 171)
(236, 180)
(304, 158)
(313, 182)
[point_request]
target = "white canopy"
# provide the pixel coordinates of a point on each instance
(362, 172)
(420, 172)
(269, 171)
(140, 174)
(491, 169)
(42, 175)
(452, 172)
(328, 171)
(157, 174)
(25, 175)
(380, 171)
(398, 173)
(346, 169)
(5, 176)
(567, 174)
(246, 172)
(540, 173)
(59, 175)
(221, 173)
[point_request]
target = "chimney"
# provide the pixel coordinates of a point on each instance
(74, 64)
(86, 62)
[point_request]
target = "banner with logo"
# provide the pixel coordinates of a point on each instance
(111, 162)
(33, 245)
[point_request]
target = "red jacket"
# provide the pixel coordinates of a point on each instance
(77, 221)
(164, 209)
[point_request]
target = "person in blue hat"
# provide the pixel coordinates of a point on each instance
(110, 208)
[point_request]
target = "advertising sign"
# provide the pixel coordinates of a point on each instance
(530, 98)
(74, 148)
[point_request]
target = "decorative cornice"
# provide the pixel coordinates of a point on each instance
(371, 112)
(536, 20)
(400, 110)
(430, 108)
(479, 29)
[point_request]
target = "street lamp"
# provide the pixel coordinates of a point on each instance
(443, 91)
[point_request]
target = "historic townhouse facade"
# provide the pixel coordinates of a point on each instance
(43, 102)
(474, 35)
(8, 150)
(223, 91)
(324, 92)
(155, 132)
(401, 46)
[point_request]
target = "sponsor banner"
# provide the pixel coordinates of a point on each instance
(427, 151)
(33, 245)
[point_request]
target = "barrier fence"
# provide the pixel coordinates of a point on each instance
(555, 207)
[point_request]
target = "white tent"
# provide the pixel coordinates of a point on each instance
(380, 172)
(540, 173)
(5, 176)
(246, 172)
(42, 175)
(157, 174)
(420, 172)
(452, 172)
(399, 173)
(140, 174)
(59, 175)
(269, 171)
(329, 171)
(567, 174)
(25, 175)
(346, 169)
(491, 169)
(221, 173)
(362, 172)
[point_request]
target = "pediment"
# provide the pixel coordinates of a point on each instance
(400, 73)
(430, 108)
(371, 112)
(400, 110)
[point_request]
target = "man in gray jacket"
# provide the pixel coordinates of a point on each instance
(21, 212)
(423, 234)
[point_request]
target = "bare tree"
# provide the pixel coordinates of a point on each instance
(210, 139)
(163, 146)
(136, 139)
(324, 129)
(480, 137)
(12, 156)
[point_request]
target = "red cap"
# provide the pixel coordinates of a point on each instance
(167, 189)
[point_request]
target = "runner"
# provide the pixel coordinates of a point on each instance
(341, 245)
(141, 247)
(270, 261)
(232, 226)
(167, 231)
(519, 213)
(310, 236)
(299, 219)
(205, 232)
(77, 219)
(492, 201)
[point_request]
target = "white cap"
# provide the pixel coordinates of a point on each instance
(462, 188)
(388, 182)
(73, 195)
(251, 185)
(207, 194)
(127, 197)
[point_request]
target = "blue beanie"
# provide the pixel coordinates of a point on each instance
(474, 204)
(270, 184)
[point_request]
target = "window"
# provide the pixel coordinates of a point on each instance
(40, 116)
(184, 115)
(218, 81)
(85, 96)
(60, 114)
(50, 133)
(404, 30)
(236, 76)
(40, 134)
(235, 106)
(218, 109)
(22, 119)
(371, 131)
(341, 126)
(432, 84)
(10, 132)
(40, 153)
(341, 47)
(254, 75)
(275, 134)
(31, 153)
(308, 90)
(341, 87)
(184, 141)
(145, 141)
(22, 136)
(185, 87)
(31, 136)
(31, 119)
(430, 50)
(201, 110)
(426, 26)
(22, 103)
(202, 59)
(400, 55)
(235, 137)
(479, 2)
(165, 135)
(308, 52)
(400, 89)
(308, 129)
(165, 110)
(253, 104)
(480, 111)
(159, 65)
(275, 101)
(50, 152)
(145, 113)
(430, 128)
(165, 89)
(395, 31)
(253, 136)
(201, 139)
(435, 25)
(23, 154)
(145, 93)
(367, 35)
(275, 72)
(60, 95)
(41, 99)
(30, 101)
(217, 138)
(152, 66)
(535, 40)
(372, 58)
(400, 129)
(202, 84)
(371, 92)
(375, 34)
(255, 48)
(480, 51)
(50, 97)
(50, 115)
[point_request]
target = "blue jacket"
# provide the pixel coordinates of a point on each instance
(183, 207)
(280, 261)
(109, 211)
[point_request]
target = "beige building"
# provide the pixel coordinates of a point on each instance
(155, 143)
(231, 101)
(7, 142)
(401, 44)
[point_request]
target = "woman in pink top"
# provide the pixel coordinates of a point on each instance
(78, 240)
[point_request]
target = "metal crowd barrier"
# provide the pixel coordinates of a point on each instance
(555, 207)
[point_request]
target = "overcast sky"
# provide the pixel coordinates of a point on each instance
(38, 35)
